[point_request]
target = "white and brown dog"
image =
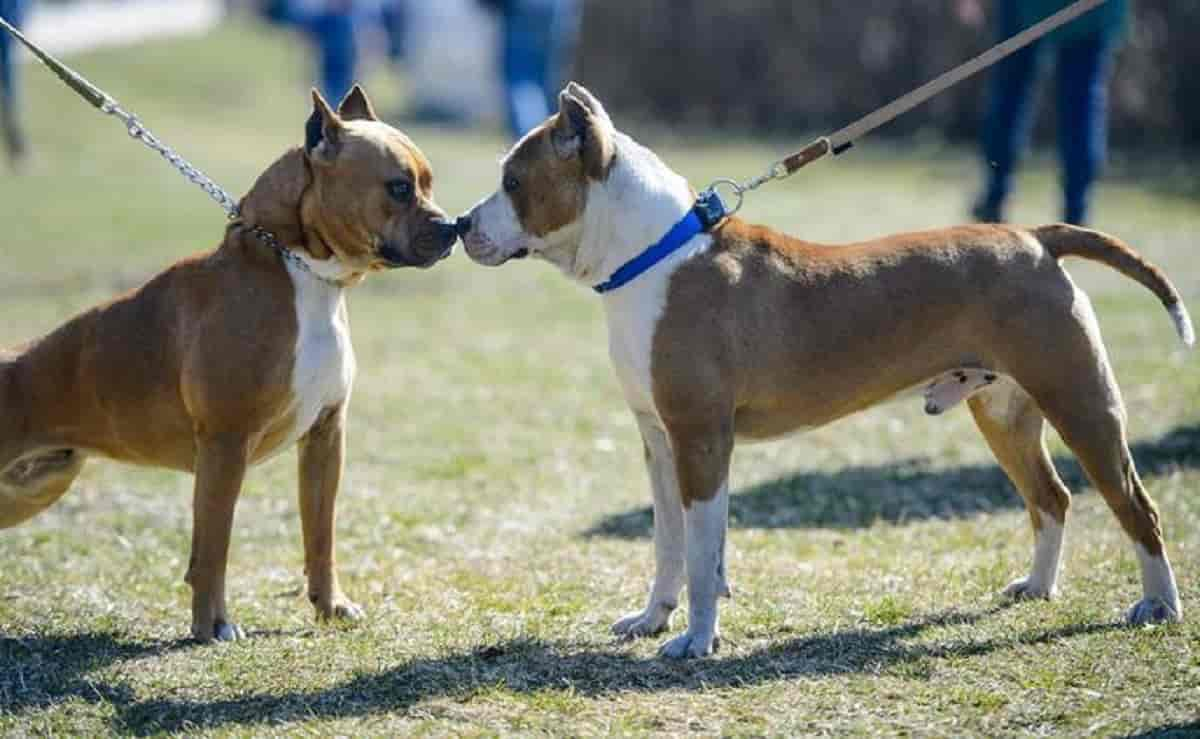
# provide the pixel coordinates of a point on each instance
(230, 357)
(744, 333)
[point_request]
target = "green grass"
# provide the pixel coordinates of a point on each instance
(494, 517)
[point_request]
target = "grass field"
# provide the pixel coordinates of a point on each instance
(495, 514)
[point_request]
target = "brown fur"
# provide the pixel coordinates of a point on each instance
(764, 334)
(193, 370)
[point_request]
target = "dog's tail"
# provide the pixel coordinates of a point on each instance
(1062, 240)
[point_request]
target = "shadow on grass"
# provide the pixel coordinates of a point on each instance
(911, 489)
(1169, 731)
(530, 667)
(41, 671)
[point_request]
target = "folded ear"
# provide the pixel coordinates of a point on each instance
(323, 131)
(356, 106)
(581, 132)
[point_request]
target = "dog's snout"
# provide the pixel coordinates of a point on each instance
(447, 231)
(463, 225)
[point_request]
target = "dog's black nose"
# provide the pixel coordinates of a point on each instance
(447, 231)
(463, 225)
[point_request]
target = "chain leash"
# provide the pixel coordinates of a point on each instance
(108, 105)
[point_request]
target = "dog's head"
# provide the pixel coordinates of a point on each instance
(369, 201)
(544, 186)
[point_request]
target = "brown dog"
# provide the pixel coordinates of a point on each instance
(745, 333)
(230, 357)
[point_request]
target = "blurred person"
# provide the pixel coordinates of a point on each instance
(538, 42)
(330, 25)
(10, 94)
(1083, 53)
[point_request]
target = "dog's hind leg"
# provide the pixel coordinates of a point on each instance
(33, 483)
(1014, 429)
(220, 468)
(1078, 394)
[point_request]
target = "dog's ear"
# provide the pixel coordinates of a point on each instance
(323, 131)
(588, 99)
(583, 130)
(356, 106)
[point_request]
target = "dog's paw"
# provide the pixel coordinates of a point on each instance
(347, 610)
(340, 608)
(1153, 611)
(690, 646)
(650, 622)
(219, 631)
(1024, 589)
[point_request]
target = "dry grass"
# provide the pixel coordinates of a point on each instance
(495, 513)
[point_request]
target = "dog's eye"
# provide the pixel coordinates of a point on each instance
(400, 190)
(510, 183)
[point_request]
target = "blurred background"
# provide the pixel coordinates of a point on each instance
(758, 65)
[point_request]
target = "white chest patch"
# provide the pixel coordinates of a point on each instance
(324, 369)
(633, 312)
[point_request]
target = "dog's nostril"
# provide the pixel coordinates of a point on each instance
(463, 225)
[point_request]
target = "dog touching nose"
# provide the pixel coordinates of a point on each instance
(448, 231)
(463, 226)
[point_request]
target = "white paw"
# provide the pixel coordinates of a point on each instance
(222, 631)
(654, 620)
(690, 646)
(1023, 589)
(348, 611)
(1154, 611)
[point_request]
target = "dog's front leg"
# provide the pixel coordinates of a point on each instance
(220, 469)
(322, 451)
(702, 464)
(669, 544)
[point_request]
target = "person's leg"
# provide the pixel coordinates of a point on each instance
(528, 26)
(333, 33)
(1083, 68)
(10, 97)
(564, 38)
(1009, 119)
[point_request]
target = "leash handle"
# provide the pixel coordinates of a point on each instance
(840, 141)
(71, 78)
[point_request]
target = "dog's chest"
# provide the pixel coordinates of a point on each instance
(324, 357)
(633, 313)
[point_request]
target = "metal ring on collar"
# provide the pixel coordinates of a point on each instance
(734, 187)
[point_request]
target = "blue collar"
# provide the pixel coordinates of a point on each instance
(705, 214)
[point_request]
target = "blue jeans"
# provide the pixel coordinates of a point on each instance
(1082, 67)
(539, 39)
(332, 32)
(14, 12)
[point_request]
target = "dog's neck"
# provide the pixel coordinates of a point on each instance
(639, 201)
(274, 203)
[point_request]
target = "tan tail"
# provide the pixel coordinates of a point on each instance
(1062, 240)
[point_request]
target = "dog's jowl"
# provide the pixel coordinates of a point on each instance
(736, 331)
(229, 357)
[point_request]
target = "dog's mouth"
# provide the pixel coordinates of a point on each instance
(393, 257)
(488, 254)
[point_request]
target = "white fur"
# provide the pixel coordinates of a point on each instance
(1158, 588)
(706, 525)
(324, 369)
(670, 545)
(1183, 323)
(1042, 581)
